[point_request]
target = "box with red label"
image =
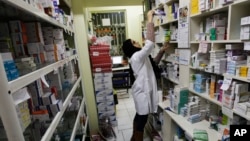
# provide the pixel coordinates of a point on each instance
(99, 50)
(100, 59)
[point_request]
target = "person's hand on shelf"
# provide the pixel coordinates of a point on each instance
(150, 15)
(165, 46)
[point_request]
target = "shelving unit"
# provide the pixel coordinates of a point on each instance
(234, 11)
(30, 12)
(174, 119)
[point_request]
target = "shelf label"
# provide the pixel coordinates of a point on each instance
(226, 83)
(228, 112)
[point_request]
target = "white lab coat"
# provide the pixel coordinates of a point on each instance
(144, 89)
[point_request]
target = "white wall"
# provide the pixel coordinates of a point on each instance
(133, 19)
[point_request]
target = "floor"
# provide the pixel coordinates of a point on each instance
(125, 114)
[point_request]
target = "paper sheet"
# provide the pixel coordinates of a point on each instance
(44, 81)
(226, 83)
(20, 96)
(184, 56)
(106, 22)
(183, 27)
(203, 48)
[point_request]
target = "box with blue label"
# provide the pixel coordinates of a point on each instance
(104, 92)
(109, 97)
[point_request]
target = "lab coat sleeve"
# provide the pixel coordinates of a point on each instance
(146, 50)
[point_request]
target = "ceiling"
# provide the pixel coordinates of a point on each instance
(104, 3)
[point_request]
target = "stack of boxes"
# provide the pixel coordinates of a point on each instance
(218, 30)
(173, 71)
(205, 5)
(25, 65)
(9, 66)
(216, 55)
(67, 75)
(245, 29)
(44, 104)
(179, 99)
(174, 32)
(220, 66)
(102, 70)
(196, 109)
(53, 44)
(229, 96)
(215, 28)
(19, 37)
(22, 107)
(35, 44)
(242, 97)
(199, 83)
(234, 63)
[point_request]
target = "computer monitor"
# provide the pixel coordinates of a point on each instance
(117, 60)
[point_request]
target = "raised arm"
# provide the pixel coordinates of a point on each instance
(158, 57)
(150, 27)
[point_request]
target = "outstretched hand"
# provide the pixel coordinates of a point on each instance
(165, 46)
(150, 15)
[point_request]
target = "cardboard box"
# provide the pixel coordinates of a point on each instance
(48, 98)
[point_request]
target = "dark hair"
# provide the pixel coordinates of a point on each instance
(129, 49)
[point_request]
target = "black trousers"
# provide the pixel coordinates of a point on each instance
(140, 121)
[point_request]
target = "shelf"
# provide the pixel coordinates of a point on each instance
(171, 21)
(171, 1)
(49, 132)
(173, 42)
(29, 78)
(237, 77)
(24, 6)
(210, 11)
(217, 41)
(188, 127)
(172, 80)
(203, 70)
(205, 96)
(247, 117)
(171, 61)
(77, 122)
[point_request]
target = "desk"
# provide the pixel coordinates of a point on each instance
(120, 68)
(121, 80)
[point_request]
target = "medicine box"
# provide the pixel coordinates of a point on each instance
(104, 92)
(48, 98)
(109, 97)
(245, 20)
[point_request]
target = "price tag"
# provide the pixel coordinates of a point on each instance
(98, 69)
(95, 53)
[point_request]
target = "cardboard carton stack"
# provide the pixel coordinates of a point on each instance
(101, 63)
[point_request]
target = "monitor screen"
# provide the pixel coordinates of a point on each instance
(116, 60)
